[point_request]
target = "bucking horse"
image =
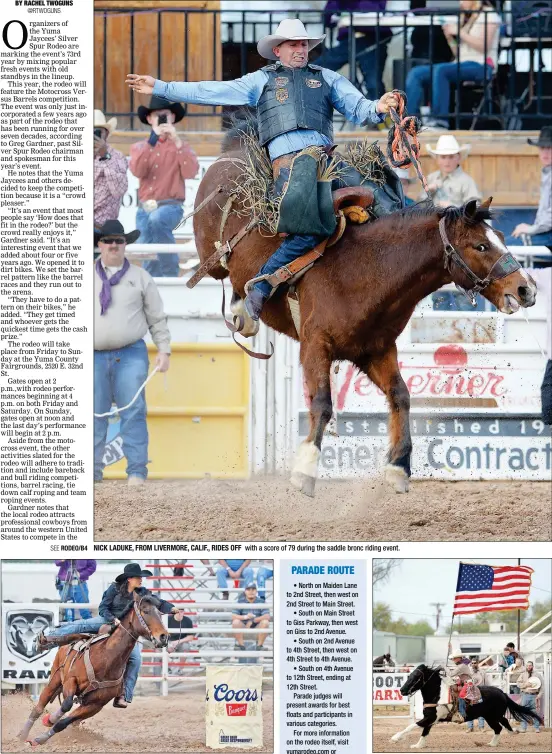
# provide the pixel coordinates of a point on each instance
(493, 706)
(90, 670)
(358, 297)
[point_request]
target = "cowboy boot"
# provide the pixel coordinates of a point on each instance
(120, 702)
(254, 302)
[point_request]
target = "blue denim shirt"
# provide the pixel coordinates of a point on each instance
(247, 90)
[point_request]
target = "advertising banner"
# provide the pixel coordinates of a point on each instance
(468, 420)
(234, 715)
(22, 661)
(386, 688)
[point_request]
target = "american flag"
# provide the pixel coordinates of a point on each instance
(483, 588)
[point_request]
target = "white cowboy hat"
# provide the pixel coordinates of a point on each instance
(447, 144)
(288, 29)
(100, 121)
(454, 655)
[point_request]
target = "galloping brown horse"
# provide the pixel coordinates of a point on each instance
(359, 296)
(108, 657)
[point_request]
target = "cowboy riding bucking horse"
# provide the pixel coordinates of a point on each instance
(294, 102)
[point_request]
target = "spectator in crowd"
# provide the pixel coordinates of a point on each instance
(236, 569)
(478, 679)
(180, 644)
(450, 185)
(430, 40)
(247, 616)
(540, 232)
(72, 584)
(382, 662)
(406, 182)
(543, 278)
(126, 305)
(505, 660)
(263, 574)
(514, 672)
(370, 55)
(479, 34)
(513, 651)
(531, 686)
(162, 162)
(110, 172)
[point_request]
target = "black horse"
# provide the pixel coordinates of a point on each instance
(492, 707)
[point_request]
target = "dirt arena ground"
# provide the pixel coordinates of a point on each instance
(271, 509)
(451, 737)
(162, 724)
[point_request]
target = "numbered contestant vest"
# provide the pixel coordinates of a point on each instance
(294, 98)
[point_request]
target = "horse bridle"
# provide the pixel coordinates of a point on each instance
(417, 670)
(142, 622)
(505, 265)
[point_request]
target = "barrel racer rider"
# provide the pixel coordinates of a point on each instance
(295, 102)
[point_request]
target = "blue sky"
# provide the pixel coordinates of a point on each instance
(416, 583)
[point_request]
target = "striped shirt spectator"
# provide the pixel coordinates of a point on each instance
(110, 172)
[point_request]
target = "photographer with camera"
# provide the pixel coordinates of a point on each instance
(162, 163)
(110, 172)
(72, 584)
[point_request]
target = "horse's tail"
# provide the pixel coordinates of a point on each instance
(521, 714)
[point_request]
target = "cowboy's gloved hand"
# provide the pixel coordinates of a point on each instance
(116, 622)
(140, 84)
(388, 100)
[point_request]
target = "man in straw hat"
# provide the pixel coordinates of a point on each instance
(540, 232)
(110, 172)
(162, 162)
(295, 101)
(450, 185)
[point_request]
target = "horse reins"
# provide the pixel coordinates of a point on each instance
(417, 670)
(400, 151)
(505, 265)
(142, 622)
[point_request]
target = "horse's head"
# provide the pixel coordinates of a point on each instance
(146, 621)
(479, 261)
(422, 677)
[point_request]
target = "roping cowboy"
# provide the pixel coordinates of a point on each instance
(117, 600)
(295, 101)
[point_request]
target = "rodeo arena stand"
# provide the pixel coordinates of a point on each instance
(490, 418)
(407, 652)
(209, 636)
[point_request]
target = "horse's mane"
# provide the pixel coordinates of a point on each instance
(242, 121)
(426, 209)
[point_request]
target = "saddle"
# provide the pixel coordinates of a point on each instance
(350, 205)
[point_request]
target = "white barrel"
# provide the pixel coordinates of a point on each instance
(233, 706)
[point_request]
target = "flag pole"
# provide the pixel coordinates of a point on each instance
(449, 647)
(519, 621)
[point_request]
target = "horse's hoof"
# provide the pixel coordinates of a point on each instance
(32, 744)
(46, 720)
(303, 483)
(396, 737)
(397, 478)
